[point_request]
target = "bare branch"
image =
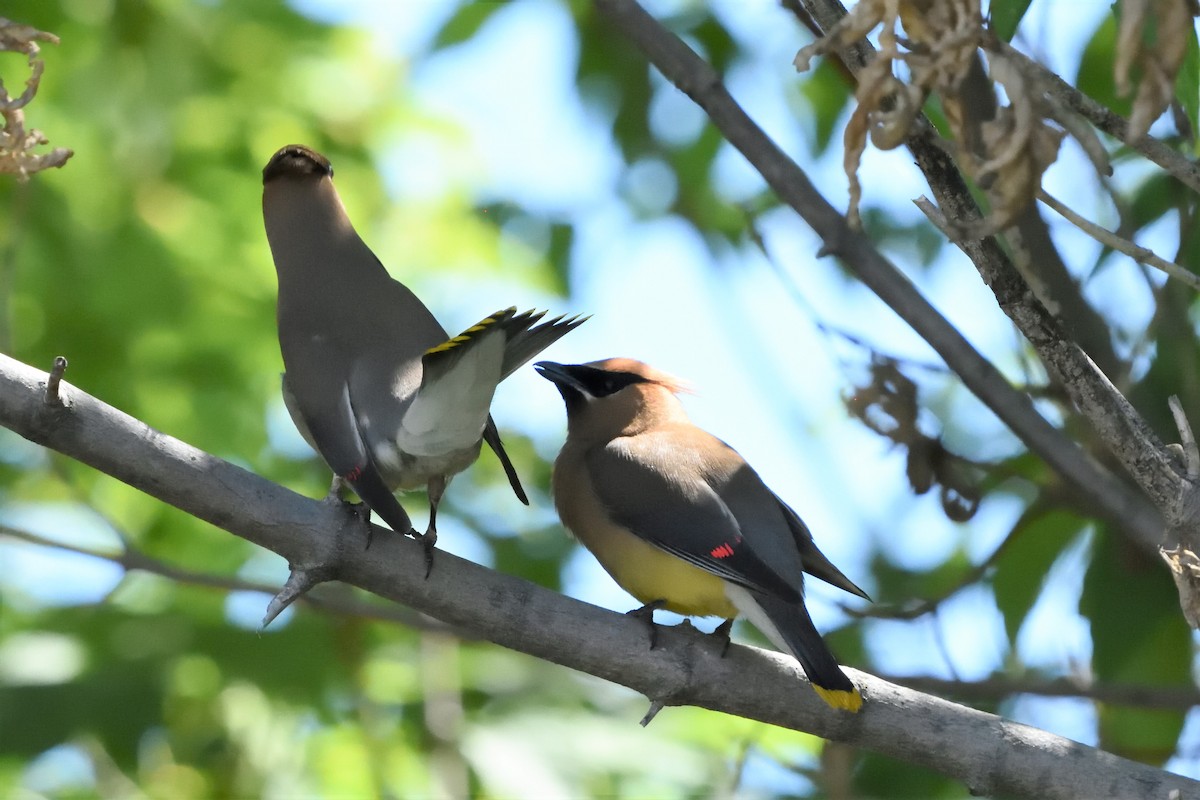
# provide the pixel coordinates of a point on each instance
(1064, 94)
(51, 397)
(1120, 244)
(331, 601)
(1183, 519)
(1171, 698)
(989, 754)
(1119, 426)
(1187, 439)
(1107, 494)
(336, 602)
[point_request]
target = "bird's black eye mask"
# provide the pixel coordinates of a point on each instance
(602, 383)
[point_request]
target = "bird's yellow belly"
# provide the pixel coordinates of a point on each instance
(651, 574)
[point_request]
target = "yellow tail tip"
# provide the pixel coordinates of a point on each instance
(837, 698)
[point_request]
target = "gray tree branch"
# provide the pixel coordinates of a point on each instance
(332, 601)
(1119, 426)
(323, 598)
(1174, 163)
(989, 754)
(1110, 496)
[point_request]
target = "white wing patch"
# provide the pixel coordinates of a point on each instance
(744, 602)
(449, 414)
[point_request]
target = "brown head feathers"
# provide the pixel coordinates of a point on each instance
(647, 373)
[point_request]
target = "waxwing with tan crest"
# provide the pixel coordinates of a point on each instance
(374, 383)
(680, 520)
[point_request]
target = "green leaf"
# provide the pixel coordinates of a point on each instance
(910, 584)
(465, 23)
(719, 47)
(1095, 75)
(1152, 200)
(562, 237)
(1035, 543)
(1006, 15)
(1138, 637)
(1187, 83)
(880, 776)
(827, 92)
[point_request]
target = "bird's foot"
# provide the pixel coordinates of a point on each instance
(334, 495)
(298, 583)
(646, 614)
(360, 511)
(721, 635)
(427, 539)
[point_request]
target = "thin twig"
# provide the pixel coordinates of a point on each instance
(1109, 496)
(53, 381)
(1122, 430)
(1191, 453)
(328, 601)
(655, 707)
(990, 755)
(919, 608)
(1175, 163)
(1173, 698)
(1112, 240)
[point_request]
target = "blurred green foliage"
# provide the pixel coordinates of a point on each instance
(143, 261)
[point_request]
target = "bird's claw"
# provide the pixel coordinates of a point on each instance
(721, 634)
(361, 511)
(646, 614)
(427, 539)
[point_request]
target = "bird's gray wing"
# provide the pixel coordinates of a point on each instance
(659, 495)
(449, 410)
(323, 402)
(815, 562)
(775, 531)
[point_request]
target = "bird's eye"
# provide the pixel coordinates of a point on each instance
(613, 382)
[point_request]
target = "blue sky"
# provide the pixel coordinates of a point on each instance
(768, 380)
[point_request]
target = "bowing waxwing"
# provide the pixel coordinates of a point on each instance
(680, 520)
(372, 381)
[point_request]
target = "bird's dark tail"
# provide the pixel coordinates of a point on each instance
(492, 437)
(800, 636)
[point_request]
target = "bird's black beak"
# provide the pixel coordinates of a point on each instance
(560, 375)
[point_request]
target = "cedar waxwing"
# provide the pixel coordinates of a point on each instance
(680, 520)
(372, 381)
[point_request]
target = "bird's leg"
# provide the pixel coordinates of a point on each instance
(721, 634)
(646, 614)
(360, 510)
(436, 487)
(334, 495)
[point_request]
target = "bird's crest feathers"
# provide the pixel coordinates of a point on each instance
(646, 372)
